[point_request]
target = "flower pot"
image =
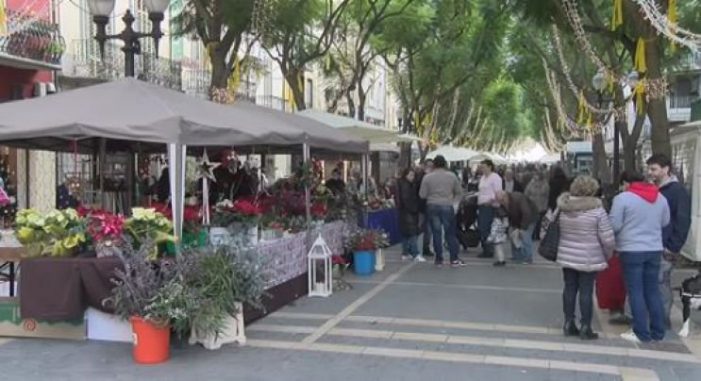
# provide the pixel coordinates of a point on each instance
(233, 332)
(151, 341)
(107, 248)
(364, 262)
(219, 236)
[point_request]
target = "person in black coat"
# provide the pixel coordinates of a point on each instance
(558, 184)
(408, 207)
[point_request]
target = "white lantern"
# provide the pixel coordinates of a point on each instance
(320, 258)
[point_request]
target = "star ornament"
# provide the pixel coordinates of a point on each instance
(205, 168)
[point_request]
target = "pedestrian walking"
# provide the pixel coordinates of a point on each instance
(638, 216)
(522, 216)
(586, 243)
(425, 226)
(537, 191)
(441, 189)
(675, 234)
(490, 183)
(408, 206)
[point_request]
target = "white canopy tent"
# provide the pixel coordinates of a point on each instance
(452, 154)
(497, 159)
(356, 128)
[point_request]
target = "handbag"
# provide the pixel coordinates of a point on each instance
(550, 241)
(610, 286)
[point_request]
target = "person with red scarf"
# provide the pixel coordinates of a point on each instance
(638, 216)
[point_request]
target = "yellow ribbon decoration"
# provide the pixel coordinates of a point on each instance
(590, 127)
(672, 20)
(3, 19)
(581, 113)
(234, 79)
(640, 97)
(640, 65)
(617, 18)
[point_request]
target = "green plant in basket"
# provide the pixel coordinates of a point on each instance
(58, 233)
(366, 240)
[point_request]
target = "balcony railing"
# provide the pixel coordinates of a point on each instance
(681, 101)
(87, 62)
(32, 39)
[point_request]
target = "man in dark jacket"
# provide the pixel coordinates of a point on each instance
(675, 234)
(425, 226)
(522, 217)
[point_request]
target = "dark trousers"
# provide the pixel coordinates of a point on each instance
(442, 218)
(641, 271)
(485, 217)
(426, 240)
(582, 283)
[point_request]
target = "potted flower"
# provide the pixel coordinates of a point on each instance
(153, 297)
(247, 214)
(363, 243)
(148, 225)
(272, 226)
(106, 230)
(222, 218)
(224, 278)
(59, 233)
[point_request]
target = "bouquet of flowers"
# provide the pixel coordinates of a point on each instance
(244, 211)
(106, 231)
(58, 233)
(366, 240)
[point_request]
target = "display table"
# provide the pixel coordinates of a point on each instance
(387, 220)
(54, 289)
(9, 259)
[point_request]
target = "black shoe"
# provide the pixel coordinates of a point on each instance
(429, 253)
(620, 319)
(499, 263)
(485, 255)
(588, 334)
(570, 329)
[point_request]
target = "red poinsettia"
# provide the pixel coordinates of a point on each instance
(105, 225)
(247, 207)
(319, 210)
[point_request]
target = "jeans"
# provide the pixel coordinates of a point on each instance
(665, 284)
(582, 283)
(442, 218)
(426, 228)
(525, 252)
(410, 245)
(641, 271)
(485, 217)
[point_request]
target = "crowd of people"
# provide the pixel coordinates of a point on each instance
(632, 238)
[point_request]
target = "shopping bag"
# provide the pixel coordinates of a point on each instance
(610, 286)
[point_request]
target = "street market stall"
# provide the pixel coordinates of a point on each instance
(140, 118)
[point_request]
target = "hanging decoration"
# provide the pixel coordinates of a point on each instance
(572, 129)
(570, 7)
(639, 92)
(617, 18)
(640, 64)
(3, 19)
(666, 25)
(672, 19)
(205, 171)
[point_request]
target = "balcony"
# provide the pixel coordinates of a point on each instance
(32, 44)
(679, 108)
(84, 61)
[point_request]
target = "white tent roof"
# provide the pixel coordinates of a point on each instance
(353, 127)
(451, 153)
(496, 158)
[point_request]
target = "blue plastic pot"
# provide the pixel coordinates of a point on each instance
(364, 262)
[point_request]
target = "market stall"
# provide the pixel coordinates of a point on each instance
(140, 118)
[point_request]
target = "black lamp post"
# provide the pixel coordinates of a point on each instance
(101, 10)
(599, 84)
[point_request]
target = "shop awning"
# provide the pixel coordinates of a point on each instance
(128, 110)
(357, 128)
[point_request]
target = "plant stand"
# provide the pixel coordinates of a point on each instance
(379, 260)
(233, 333)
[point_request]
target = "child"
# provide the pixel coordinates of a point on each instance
(498, 235)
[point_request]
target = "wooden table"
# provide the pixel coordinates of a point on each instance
(9, 260)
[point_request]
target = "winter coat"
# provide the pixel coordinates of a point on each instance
(557, 186)
(675, 234)
(521, 211)
(587, 240)
(537, 191)
(408, 204)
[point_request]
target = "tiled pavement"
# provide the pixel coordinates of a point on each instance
(409, 322)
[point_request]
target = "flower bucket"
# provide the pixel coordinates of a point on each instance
(151, 341)
(364, 262)
(219, 236)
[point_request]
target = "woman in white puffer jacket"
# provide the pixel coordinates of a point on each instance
(586, 243)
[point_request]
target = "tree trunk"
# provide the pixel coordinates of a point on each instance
(404, 155)
(600, 168)
(351, 104)
(657, 108)
(220, 73)
(295, 80)
(362, 97)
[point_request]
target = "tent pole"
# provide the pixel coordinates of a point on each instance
(102, 168)
(307, 196)
(366, 186)
(176, 172)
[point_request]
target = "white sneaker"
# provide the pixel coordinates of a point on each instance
(405, 258)
(631, 336)
(419, 258)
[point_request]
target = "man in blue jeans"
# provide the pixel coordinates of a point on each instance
(638, 216)
(441, 189)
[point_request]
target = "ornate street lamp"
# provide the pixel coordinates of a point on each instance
(101, 10)
(599, 84)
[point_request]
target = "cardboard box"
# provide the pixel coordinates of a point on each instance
(11, 324)
(106, 327)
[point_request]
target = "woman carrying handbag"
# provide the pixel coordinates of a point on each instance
(586, 242)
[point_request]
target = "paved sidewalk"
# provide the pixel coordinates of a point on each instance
(409, 322)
